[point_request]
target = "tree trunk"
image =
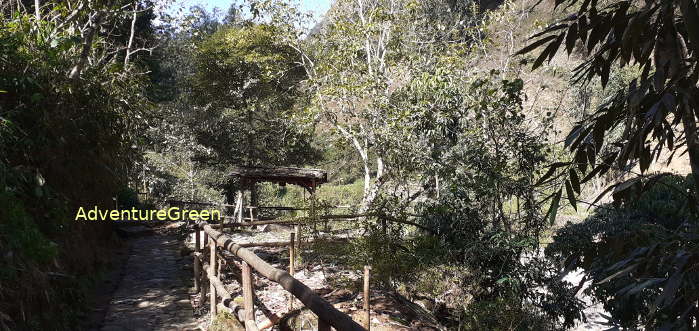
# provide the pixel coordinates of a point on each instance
(363, 150)
(133, 32)
(37, 9)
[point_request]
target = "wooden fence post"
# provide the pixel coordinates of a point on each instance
(322, 326)
(197, 238)
(205, 242)
(292, 253)
(197, 272)
(248, 303)
(367, 308)
(197, 265)
(292, 267)
(212, 270)
(297, 231)
(325, 310)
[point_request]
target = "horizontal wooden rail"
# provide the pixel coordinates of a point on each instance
(322, 219)
(297, 208)
(324, 310)
(287, 243)
(248, 219)
(294, 221)
(248, 207)
(221, 291)
(198, 203)
(276, 208)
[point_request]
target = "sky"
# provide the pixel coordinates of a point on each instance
(318, 7)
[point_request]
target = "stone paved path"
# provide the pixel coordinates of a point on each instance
(153, 294)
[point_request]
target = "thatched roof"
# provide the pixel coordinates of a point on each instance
(308, 178)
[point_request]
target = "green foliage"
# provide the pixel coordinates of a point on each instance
(19, 234)
(66, 140)
(641, 118)
(127, 198)
(505, 313)
(639, 256)
(472, 135)
(247, 86)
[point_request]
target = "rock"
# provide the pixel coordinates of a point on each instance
(274, 228)
(143, 304)
(183, 302)
(174, 225)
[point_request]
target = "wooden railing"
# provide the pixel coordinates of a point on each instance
(328, 315)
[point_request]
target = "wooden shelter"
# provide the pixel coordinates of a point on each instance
(309, 179)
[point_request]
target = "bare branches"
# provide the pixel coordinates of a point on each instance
(133, 32)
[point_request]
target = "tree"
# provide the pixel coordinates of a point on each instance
(70, 115)
(364, 51)
(641, 256)
(246, 89)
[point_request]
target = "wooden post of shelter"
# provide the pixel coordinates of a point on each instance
(253, 200)
(239, 206)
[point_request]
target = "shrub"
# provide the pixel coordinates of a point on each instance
(641, 256)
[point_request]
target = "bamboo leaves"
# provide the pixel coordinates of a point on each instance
(611, 35)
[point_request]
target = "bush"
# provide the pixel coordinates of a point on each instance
(640, 255)
(64, 143)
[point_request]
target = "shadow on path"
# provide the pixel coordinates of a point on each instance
(153, 294)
